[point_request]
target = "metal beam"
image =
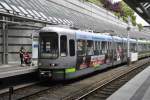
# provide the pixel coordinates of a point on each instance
(142, 5)
(5, 41)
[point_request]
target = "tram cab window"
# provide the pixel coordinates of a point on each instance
(63, 46)
(90, 47)
(72, 47)
(81, 46)
(48, 45)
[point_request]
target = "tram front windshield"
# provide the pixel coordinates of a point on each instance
(48, 45)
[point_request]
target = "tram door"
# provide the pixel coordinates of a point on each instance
(67, 50)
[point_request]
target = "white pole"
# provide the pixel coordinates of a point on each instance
(128, 41)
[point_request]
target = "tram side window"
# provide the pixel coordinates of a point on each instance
(133, 47)
(109, 46)
(104, 47)
(125, 47)
(90, 47)
(119, 47)
(140, 47)
(97, 48)
(63, 45)
(81, 46)
(72, 47)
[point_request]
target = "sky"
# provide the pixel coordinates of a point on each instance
(138, 18)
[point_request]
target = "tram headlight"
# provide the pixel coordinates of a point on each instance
(42, 73)
(52, 65)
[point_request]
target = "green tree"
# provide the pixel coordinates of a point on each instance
(120, 9)
(140, 27)
(127, 12)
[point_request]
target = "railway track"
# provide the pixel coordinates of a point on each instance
(28, 90)
(104, 83)
(103, 89)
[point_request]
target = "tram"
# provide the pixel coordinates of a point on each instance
(67, 53)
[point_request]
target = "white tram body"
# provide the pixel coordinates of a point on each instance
(67, 53)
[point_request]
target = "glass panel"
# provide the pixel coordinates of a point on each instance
(119, 51)
(104, 47)
(90, 47)
(13, 2)
(31, 13)
(72, 47)
(8, 1)
(50, 18)
(37, 13)
(54, 19)
(49, 45)
(133, 47)
(64, 20)
(15, 8)
(97, 48)
(1, 7)
(6, 6)
(81, 47)
(23, 10)
(63, 45)
(23, 4)
(43, 15)
(60, 20)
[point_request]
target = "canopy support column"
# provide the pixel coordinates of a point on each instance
(5, 41)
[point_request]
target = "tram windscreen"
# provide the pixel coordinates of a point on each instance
(48, 45)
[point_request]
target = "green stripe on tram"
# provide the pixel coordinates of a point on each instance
(70, 70)
(60, 72)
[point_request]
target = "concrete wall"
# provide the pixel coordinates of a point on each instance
(103, 16)
(18, 37)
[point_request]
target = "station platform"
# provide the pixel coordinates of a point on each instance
(137, 88)
(15, 69)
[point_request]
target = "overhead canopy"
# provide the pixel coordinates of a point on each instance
(142, 7)
(53, 12)
(67, 12)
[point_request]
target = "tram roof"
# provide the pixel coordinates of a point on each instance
(133, 41)
(117, 39)
(144, 41)
(92, 36)
(125, 39)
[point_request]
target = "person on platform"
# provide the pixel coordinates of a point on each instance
(27, 58)
(21, 53)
